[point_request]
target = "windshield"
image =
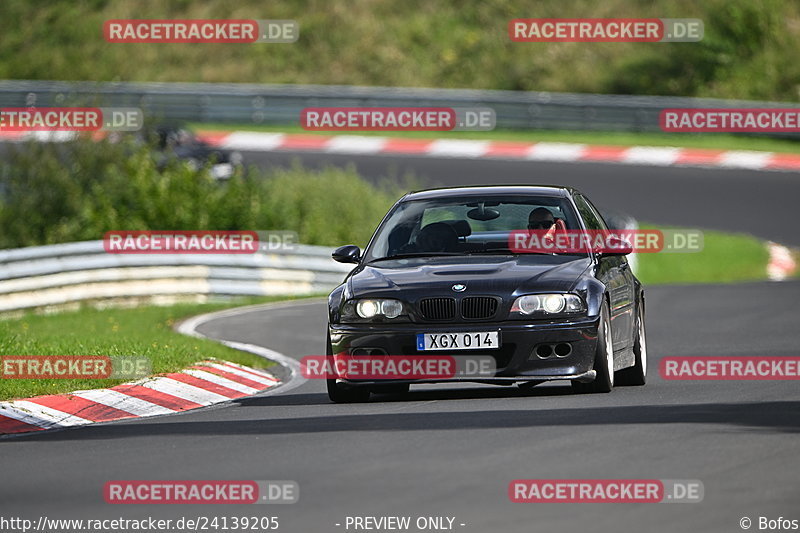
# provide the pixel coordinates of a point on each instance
(463, 225)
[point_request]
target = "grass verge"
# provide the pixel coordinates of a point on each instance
(686, 140)
(725, 258)
(145, 331)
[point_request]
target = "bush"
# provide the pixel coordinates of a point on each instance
(78, 190)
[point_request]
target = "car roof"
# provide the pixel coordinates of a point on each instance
(483, 190)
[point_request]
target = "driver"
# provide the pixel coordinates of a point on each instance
(542, 221)
(541, 218)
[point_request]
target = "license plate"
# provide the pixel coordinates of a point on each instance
(483, 340)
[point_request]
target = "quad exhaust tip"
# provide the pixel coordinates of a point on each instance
(546, 351)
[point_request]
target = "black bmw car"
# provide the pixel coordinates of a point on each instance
(440, 274)
(178, 142)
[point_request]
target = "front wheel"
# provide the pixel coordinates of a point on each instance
(339, 393)
(603, 359)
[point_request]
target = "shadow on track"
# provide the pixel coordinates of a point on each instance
(416, 395)
(761, 416)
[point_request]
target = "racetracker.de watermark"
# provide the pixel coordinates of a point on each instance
(606, 30)
(181, 242)
(744, 368)
(88, 119)
(398, 119)
(229, 31)
(730, 120)
(74, 367)
(397, 367)
(199, 242)
(605, 241)
(606, 491)
(201, 492)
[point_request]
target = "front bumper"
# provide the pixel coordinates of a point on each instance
(517, 359)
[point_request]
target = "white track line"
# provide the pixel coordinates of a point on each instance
(295, 379)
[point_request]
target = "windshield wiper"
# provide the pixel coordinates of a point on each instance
(414, 254)
(506, 251)
(497, 251)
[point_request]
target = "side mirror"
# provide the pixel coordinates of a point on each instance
(616, 247)
(347, 254)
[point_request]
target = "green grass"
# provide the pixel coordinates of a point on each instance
(725, 258)
(707, 141)
(145, 331)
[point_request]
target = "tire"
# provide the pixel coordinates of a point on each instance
(339, 393)
(603, 359)
(637, 374)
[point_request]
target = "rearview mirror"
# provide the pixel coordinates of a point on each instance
(483, 213)
(349, 253)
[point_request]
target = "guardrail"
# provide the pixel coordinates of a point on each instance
(55, 275)
(61, 274)
(281, 104)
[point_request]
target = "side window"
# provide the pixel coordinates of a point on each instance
(588, 214)
(596, 213)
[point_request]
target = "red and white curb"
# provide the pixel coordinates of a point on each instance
(474, 149)
(469, 149)
(203, 384)
(781, 263)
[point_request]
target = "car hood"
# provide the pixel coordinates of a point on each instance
(481, 274)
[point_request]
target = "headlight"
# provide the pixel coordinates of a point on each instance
(391, 308)
(374, 308)
(548, 304)
(554, 303)
(368, 308)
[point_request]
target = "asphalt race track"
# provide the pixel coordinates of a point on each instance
(452, 450)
